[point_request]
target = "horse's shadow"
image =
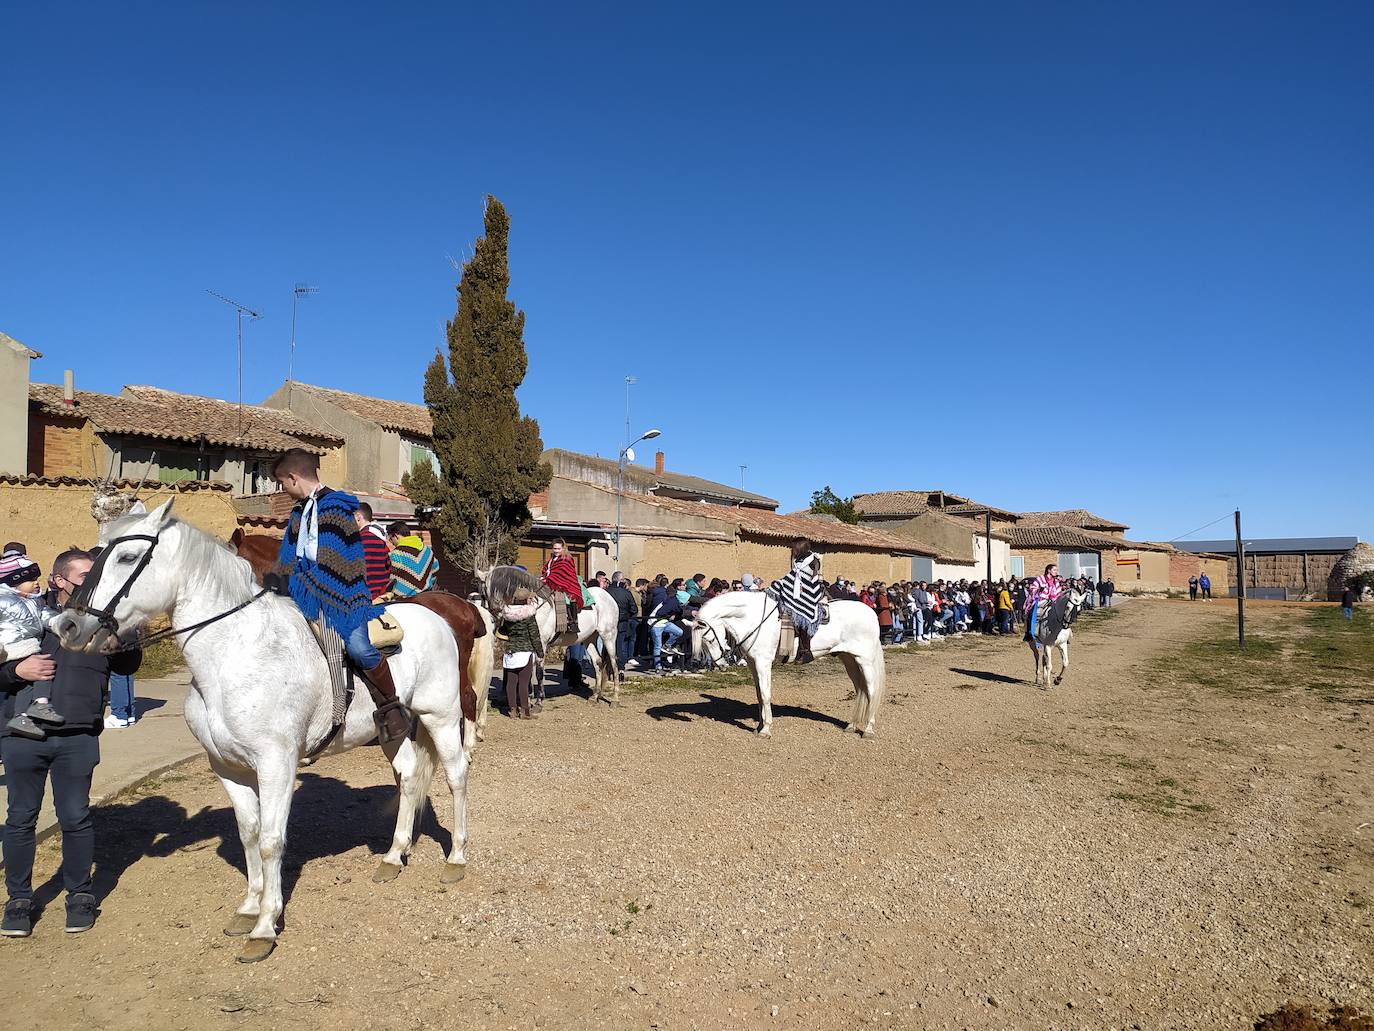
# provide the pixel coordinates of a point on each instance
(328, 818)
(982, 674)
(733, 712)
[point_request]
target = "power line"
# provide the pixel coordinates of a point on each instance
(1202, 527)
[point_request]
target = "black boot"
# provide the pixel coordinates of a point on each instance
(804, 649)
(392, 718)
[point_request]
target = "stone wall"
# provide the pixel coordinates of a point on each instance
(1299, 574)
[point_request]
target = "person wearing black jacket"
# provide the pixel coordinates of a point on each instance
(68, 756)
(629, 612)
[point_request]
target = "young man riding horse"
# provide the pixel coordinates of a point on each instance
(322, 567)
(801, 594)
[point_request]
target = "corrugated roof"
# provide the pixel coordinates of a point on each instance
(1080, 517)
(916, 502)
(1071, 538)
(1271, 545)
(166, 415)
(402, 416)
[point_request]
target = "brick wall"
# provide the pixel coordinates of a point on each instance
(60, 447)
(1182, 565)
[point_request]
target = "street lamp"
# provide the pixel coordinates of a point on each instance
(620, 483)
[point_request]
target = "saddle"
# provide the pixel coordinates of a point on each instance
(787, 639)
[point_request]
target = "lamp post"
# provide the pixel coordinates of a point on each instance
(620, 484)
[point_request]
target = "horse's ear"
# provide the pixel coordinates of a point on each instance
(237, 539)
(137, 507)
(162, 513)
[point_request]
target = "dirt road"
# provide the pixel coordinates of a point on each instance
(1126, 850)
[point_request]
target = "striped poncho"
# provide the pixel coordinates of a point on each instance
(800, 594)
(333, 585)
(413, 567)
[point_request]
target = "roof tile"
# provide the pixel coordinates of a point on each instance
(402, 416)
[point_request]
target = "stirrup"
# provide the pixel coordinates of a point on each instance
(385, 735)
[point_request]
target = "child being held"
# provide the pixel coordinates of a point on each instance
(23, 618)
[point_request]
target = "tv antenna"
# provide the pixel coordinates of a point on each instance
(297, 292)
(240, 311)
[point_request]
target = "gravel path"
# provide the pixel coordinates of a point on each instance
(1121, 851)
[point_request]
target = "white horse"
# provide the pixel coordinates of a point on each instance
(598, 623)
(261, 697)
(750, 621)
(1067, 605)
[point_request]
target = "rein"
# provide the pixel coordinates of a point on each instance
(106, 617)
(744, 641)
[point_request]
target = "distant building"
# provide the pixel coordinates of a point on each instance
(659, 481)
(14, 404)
(1281, 567)
(948, 532)
(148, 433)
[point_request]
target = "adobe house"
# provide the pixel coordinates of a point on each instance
(147, 433)
(14, 404)
(384, 439)
(949, 531)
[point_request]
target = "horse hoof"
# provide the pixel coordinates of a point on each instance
(257, 949)
(849, 728)
(386, 872)
(453, 873)
(868, 735)
(241, 925)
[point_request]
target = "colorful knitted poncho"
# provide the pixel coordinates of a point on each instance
(413, 567)
(334, 585)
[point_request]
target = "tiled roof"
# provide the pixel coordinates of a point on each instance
(915, 502)
(166, 415)
(651, 480)
(1071, 538)
(401, 416)
(1079, 517)
(180, 487)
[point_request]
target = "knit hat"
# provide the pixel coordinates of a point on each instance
(16, 569)
(748, 580)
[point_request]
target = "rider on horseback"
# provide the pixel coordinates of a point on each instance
(1043, 591)
(801, 594)
(560, 575)
(321, 565)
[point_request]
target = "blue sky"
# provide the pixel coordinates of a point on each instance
(863, 245)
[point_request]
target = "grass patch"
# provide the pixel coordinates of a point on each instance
(1160, 802)
(159, 659)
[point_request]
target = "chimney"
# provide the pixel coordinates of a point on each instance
(658, 463)
(68, 387)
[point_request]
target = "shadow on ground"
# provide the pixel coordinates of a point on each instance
(982, 674)
(733, 712)
(328, 818)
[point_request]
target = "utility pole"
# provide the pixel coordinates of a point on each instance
(297, 292)
(987, 540)
(1240, 582)
(742, 470)
(240, 311)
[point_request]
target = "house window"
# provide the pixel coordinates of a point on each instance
(922, 568)
(176, 466)
(421, 455)
(1018, 566)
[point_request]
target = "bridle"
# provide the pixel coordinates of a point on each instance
(744, 641)
(105, 617)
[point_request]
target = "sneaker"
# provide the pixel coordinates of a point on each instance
(25, 727)
(18, 921)
(80, 913)
(45, 713)
(113, 722)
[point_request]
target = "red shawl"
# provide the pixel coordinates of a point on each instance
(560, 574)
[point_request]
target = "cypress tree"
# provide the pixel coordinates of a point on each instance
(488, 452)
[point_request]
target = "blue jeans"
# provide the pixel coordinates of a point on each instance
(360, 650)
(658, 630)
(625, 641)
(1348, 611)
(122, 696)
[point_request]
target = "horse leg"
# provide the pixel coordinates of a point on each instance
(870, 691)
(763, 680)
(598, 666)
(1064, 663)
(276, 784)
(413, 767)
(851, 666)
(440, 738)
(612, 666)
(244, 798)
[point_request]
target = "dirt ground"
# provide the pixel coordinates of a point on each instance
(1127, 850)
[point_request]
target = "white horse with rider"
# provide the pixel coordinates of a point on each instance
(261, 697)
(596, 624)
(1050, 613)
(751, 623)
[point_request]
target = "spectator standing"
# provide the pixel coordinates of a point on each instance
(1003, 608)
(663, 608)
(1348, 602)
(627, 621)
(1111, 589)
(1205, 583)
(882, 604)
(67, 756)
(1192, 588)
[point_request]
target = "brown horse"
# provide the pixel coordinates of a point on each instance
(461, 615)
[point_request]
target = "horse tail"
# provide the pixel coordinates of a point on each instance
(480, 663)
(426, 755)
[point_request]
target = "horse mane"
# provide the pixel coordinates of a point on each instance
(208, 564)
(504, 582)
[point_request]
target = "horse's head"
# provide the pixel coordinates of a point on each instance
(129, 584)
(708, 632)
